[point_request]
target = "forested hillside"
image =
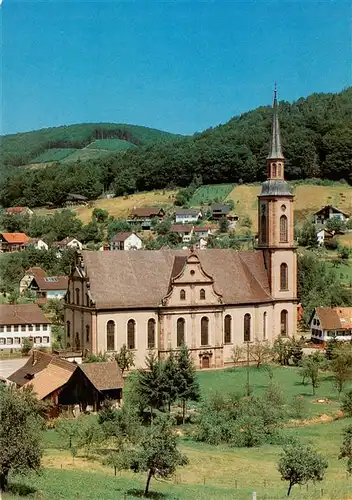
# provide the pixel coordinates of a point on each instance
(20, 149)
(316, 136)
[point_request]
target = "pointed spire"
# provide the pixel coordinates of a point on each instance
(275, 144)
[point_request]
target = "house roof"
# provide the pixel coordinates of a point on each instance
(78, 197)
(187, 211)
(202, 229)
(36, 363)
(181, 228)
(147, 211)
(52, 282)
(36, 272)
(64, 242)
(142, 279)
(225, 209)
(123, 236)
(104, 376)
(15, 238)
(330, 207)
(34, 240)
(17, 210)
(22, 314)
(49, 379)
(335, 318)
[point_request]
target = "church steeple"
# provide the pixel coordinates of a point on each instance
(275, 159)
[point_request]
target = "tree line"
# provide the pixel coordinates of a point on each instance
(316, 136)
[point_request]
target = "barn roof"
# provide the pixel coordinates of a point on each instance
(22, 314)
(15, 238)
(104, 376)
(335, 318)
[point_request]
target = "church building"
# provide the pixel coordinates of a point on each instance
(212, 299)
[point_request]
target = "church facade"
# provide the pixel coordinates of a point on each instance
(212, 300)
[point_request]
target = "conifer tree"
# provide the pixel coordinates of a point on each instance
(170, 388)
(188, 388)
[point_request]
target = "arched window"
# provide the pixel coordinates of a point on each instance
(283, 276)
(274, 169)
(265, 319)
(204, 331)
(227, 329)
(283, 229)
(247, 328)
(110, 335)
(283, 322)
(263, 219)
(182, 295)
(77, 297)
(87, 333)
(68, 329)
(131, 334)
(202, 294)
(151, 333)
(68, 297)
(180, 331)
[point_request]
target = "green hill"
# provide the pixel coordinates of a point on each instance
(316, 136)
(111, 145)
(27, 147)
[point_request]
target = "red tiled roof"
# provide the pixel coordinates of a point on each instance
(122, 236)
(147, 211)
(15, 238)
(22, 314)
(335, 318)
(181, 228)
(52, 282)
(16, 210)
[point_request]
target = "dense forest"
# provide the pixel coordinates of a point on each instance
(316, 136)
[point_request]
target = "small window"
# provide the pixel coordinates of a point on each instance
(87, 333)
(45, 340)
(9, 341)
(2, 341)
(45, 327)
(77, 297)
(38, 340)
(265, 319)
(68, 297)
(23, 328)
(274, 169)
(227, 329)
(151, 333)
(37, 328)
(202, 294)
(131, 334)
(2, 329)
(204, 331)
(17, 340)
(15, 328)
(182, 295)
(30, 328)
(68, 329)
(247, 328)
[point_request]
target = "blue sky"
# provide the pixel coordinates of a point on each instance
(180, 66)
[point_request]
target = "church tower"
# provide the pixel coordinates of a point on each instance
(275, 231)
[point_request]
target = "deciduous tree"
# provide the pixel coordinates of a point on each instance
(346, 447)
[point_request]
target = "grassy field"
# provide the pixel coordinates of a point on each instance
(111, 144)
(211, 193)
(213, 472)
(122, 206)
(54, 154)
(85, 154)
(308, 199)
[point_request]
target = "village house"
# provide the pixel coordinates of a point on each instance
(219, 210)
(18, 211)
(323, 235)
(37, 243)
(64, 384)
(75, 199)
(21, 321)
(186, 215)
(44, 287)
(211, 300)
(13, 242)
(331, 322)
(126, 241)
(143, 216)
(184, 231)
(329, 212)
(68, 242)
(202, 231)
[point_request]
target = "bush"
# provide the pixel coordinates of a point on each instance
(331, 244)
(299, 408)
(346, 406)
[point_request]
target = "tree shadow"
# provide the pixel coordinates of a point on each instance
(21, 489)
(140, 494)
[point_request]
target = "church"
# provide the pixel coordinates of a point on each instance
(211, 299)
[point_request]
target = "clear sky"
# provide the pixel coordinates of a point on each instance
(180, 66)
